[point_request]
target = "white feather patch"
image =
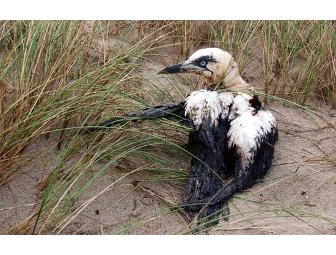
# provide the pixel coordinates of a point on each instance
(226, 99)
(247, 129)
(203, 104)
(240, 105)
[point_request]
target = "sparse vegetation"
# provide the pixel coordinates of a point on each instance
(58, 76)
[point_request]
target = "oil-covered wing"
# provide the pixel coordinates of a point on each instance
(163, 111)
(208, 170)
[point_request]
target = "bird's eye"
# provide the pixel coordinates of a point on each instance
(203, 63)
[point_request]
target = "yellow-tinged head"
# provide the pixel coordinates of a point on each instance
(216, 65)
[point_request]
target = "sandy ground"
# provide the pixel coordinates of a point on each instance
(296, 197)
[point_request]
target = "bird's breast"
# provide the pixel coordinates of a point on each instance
(208, 105)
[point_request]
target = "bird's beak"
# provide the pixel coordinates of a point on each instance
(172, 69)
(185, 67)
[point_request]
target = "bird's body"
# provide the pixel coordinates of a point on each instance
(233, 136)
(237, 139)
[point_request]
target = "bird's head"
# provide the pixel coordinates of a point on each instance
(216, 65)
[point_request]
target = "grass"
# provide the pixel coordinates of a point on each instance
(57, 76)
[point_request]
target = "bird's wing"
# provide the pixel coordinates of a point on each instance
(208, 171)
(163, 111)
(206, 163)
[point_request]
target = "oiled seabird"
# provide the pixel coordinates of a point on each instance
(233, 136)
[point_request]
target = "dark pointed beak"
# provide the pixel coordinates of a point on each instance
(172, 69)
(186, 67)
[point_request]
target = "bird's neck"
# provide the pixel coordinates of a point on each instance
(231, 79)
(235, 84)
